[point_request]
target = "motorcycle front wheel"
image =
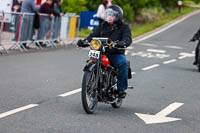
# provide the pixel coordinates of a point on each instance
(89, 92)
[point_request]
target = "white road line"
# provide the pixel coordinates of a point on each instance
(70, 93)
(156, 51)
(17, 110)
(150, 67)
(170, 61)
(133, 73)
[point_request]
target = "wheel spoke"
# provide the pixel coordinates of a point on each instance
(91, 92)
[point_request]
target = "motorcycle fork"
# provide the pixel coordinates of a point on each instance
(98, 68)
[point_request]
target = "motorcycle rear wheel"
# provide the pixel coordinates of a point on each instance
(89, 92)
(117, 103)
(198, 65)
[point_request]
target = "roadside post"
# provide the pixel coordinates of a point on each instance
(180, 3)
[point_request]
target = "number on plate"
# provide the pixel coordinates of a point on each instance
(94, 54)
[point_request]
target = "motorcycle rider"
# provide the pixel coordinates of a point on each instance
(114, 28)
(194, 38)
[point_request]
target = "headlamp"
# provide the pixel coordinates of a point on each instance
(95, 44)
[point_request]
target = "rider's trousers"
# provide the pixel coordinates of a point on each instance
(119, 61)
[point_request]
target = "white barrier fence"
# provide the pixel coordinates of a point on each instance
(18, 30)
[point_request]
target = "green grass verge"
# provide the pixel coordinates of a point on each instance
(84, 33)
(141, 29)
(144, 28)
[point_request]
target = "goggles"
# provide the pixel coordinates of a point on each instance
(109, 13)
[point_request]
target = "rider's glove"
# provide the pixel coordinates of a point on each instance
(82, 43)
(121, 44)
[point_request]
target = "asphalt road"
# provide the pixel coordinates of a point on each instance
(164, 78)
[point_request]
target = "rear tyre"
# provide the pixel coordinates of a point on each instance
(198, 62)
(117, 103)
(89, 92)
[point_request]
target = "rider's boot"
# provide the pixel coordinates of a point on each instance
(122, 94)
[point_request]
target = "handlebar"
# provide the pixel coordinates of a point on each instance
(108, 43)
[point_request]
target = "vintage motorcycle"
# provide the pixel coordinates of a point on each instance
(198, 47)
(99, 82)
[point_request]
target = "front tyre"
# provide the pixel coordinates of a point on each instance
(89, 92)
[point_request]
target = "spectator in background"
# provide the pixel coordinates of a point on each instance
(109, 3)
(101, 9)
(28, 6)
(57, 11)
(16, 7)
(45, 21)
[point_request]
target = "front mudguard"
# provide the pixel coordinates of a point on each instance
(89, 67)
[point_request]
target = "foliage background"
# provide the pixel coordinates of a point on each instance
(134, 10)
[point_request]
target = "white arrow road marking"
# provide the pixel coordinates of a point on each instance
(184, 55)
(160, 117)
(150, 67)
(133, 73)
(17, 110)
(127, 52)
(146, 44)
(174, 47)
(70, 93)
(130, 48)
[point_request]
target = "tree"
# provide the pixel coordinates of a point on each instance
(92, 5)
(74, 6)
(153, 3)
(137, 5)
(168, 3)
(128, 12)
